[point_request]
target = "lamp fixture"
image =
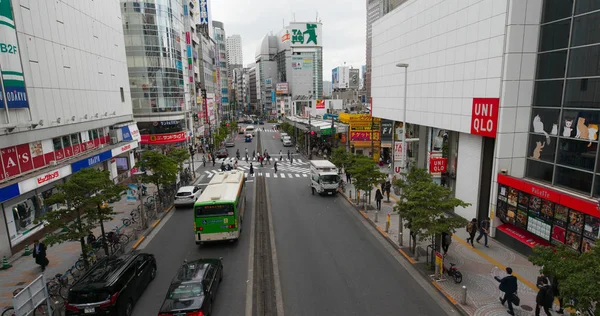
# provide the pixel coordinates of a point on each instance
(41, 123)
(113, 113)
(73, 118)
(105, 114)
(96, 116)
(33, 126)
(57, 120)
(85, 117)
(9, 129)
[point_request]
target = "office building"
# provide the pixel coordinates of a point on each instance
(502, 108)
(69, 107)
(222, 95)
(235, 59)
(327, 89)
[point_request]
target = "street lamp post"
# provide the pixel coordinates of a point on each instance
(309, 135)
(404, 127)
(139, 186)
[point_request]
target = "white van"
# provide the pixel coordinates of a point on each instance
(324, 177)
(250, 130)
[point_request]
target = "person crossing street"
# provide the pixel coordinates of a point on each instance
(251, 170)
(275, 166)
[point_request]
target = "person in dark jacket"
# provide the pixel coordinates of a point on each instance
(484, 229)
(446, 241)
(508, 285)
(472, 229)
(39, 253)
(378, 198)
(544, 297)
(556, 293)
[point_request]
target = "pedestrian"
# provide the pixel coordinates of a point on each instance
(39, 253)
(472, 229)
(260, 158)
(544, 297)
(378, 198)
(246, 157)
(275, 166)
(204, 161)
(289, 156)
(556, 293)
(348, 177)
(253, 154)
(268, 158)
(235, 165)
(251, 170)
(484, 229)
(280, 155)
(446, 241)
(213, 159)
(508, 285)
(91, 239)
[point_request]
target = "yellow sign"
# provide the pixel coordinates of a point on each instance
(357, 118)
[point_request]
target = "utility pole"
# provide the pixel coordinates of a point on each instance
(139, 188)
(192, 152)
(372, 143)
(332, 134)
(309, 135)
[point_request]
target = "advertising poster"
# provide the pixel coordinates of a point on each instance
(203, 11)
(10, 60)
(305, 34)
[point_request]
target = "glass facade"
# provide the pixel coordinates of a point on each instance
(565, 118)
(153, 42)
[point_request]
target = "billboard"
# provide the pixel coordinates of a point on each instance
(299, 63)
(340, 77)
(282, 88)
(303, 34)
(353, 79)
(335, 77)
(203, 11)
(320, 104)
(13, 81)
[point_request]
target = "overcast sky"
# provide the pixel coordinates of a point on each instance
(343, 25)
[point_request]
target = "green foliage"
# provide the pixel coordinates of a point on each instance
(341, 158)
(220, 135)
(178, 156)
(160, 169)
(233, 127)
(365, 173)
(272, 121)
(423, 204)
(578, 274)
(84, 198)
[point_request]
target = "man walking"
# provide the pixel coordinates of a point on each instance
(251, 170)
(378, 198)
(472, 229)
(484, 229)
(39, 253)
(275, 166)
(508, 285)
(348, 177)
(213, 159)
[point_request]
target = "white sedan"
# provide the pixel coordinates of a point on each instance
(187, 195)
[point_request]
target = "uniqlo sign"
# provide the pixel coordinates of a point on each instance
(438, 165)
(484, 119)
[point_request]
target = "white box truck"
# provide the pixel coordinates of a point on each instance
(324, 177)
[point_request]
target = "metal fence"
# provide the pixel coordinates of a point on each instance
(32, 296)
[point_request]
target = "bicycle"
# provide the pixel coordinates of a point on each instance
(40, 310)
(134, 217)
(453, 272)
(80, 263)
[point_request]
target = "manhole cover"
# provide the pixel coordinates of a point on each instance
(20, 283)
(526, 308)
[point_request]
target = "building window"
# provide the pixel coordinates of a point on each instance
(556, 9)
(122, 94)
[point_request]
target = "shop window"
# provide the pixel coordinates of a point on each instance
(584, 6)
(583, 93)
(551, 65)
(556, 9)
(577, 153)
(75, 139)
(583, 62)
(582, 125)
(548, 93)
(542, 147)
(57, 143)
(122, 164)
(555, 35)
(21, 216)
(66, 140)
(574, 179)
(539, 170)
(101, 132)
(586, 29)
(544, 121)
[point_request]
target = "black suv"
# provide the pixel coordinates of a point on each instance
(112, 285)
(194, 288)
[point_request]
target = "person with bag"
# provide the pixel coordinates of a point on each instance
(446, 241)
(472, 229)
(484, 229)
(39, 253)
(378, 198)
(544, 297)
(508, 285)
(556, 293)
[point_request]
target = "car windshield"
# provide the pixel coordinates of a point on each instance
(184, 193)
(214, 210)
(330, 179)
(186, 291)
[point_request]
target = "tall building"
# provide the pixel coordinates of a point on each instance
(219, 36)
(66, 107)
(519, 105)
(266, 74)
(235, 59)
(155, 51)
(254, 88)
(327, 88)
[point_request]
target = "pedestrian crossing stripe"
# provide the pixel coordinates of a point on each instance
(281, 160)
(211, 173)
(282, 175)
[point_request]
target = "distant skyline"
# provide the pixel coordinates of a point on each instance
(344, 34)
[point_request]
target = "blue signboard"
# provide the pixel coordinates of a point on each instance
(273, 97)
(96, 159)
(126, 133)
(363, 99)
(185, 10)
(224, 100)
(179, 65)
(9, 192)
(224, 91)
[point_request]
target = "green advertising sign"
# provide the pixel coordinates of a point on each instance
(304, 34)
(326, 132)
(13, 81)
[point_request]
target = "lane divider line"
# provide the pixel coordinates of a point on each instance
(137, 243)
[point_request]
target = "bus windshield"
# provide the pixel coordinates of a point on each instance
(214, 210)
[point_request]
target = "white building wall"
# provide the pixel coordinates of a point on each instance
(73, 56)
(468, 165)
(454, 50)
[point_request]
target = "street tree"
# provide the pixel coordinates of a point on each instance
(233, 127)
(424, 203)
(578, 274)
(365, 173)
(158, 169)
(84, 198)
(179, 156)
(341, 158)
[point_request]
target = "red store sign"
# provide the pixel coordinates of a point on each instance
(438, 165)
(159, 139)
(484, 116)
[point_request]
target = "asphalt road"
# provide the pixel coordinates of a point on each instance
(173, 242)
(330, 263)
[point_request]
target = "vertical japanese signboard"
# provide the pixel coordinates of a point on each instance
(13, 82)
(203, 11)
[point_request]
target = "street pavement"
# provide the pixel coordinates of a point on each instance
(478, 265)
(331, 263)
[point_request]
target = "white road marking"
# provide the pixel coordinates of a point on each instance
(304, 175)
(297, 175)
(268, 175)
(290, 175)
(283, 175)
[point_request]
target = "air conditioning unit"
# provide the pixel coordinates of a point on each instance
(114, 140)
(53, 163)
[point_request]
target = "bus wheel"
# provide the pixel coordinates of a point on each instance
(313, 191)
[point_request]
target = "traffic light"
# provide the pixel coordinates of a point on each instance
(191, 148)
(312, 133)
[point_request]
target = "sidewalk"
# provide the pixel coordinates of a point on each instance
(62, 256)
(478, 265)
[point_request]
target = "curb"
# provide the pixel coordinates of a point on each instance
(385, 236)
(149, 230)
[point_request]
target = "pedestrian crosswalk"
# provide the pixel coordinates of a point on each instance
(267, 173)
(231, 160)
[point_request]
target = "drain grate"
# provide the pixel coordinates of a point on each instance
(526, 308)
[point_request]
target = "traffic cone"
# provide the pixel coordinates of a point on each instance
(27, 251)
(5, 264)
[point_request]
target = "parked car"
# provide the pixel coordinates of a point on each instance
(187, 195)
(229, 142)
(194, 288)
(112, 285)
(222, 153)
(287, 143)
(248, 138)
(261, 123)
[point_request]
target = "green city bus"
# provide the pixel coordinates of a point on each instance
(219, 211)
